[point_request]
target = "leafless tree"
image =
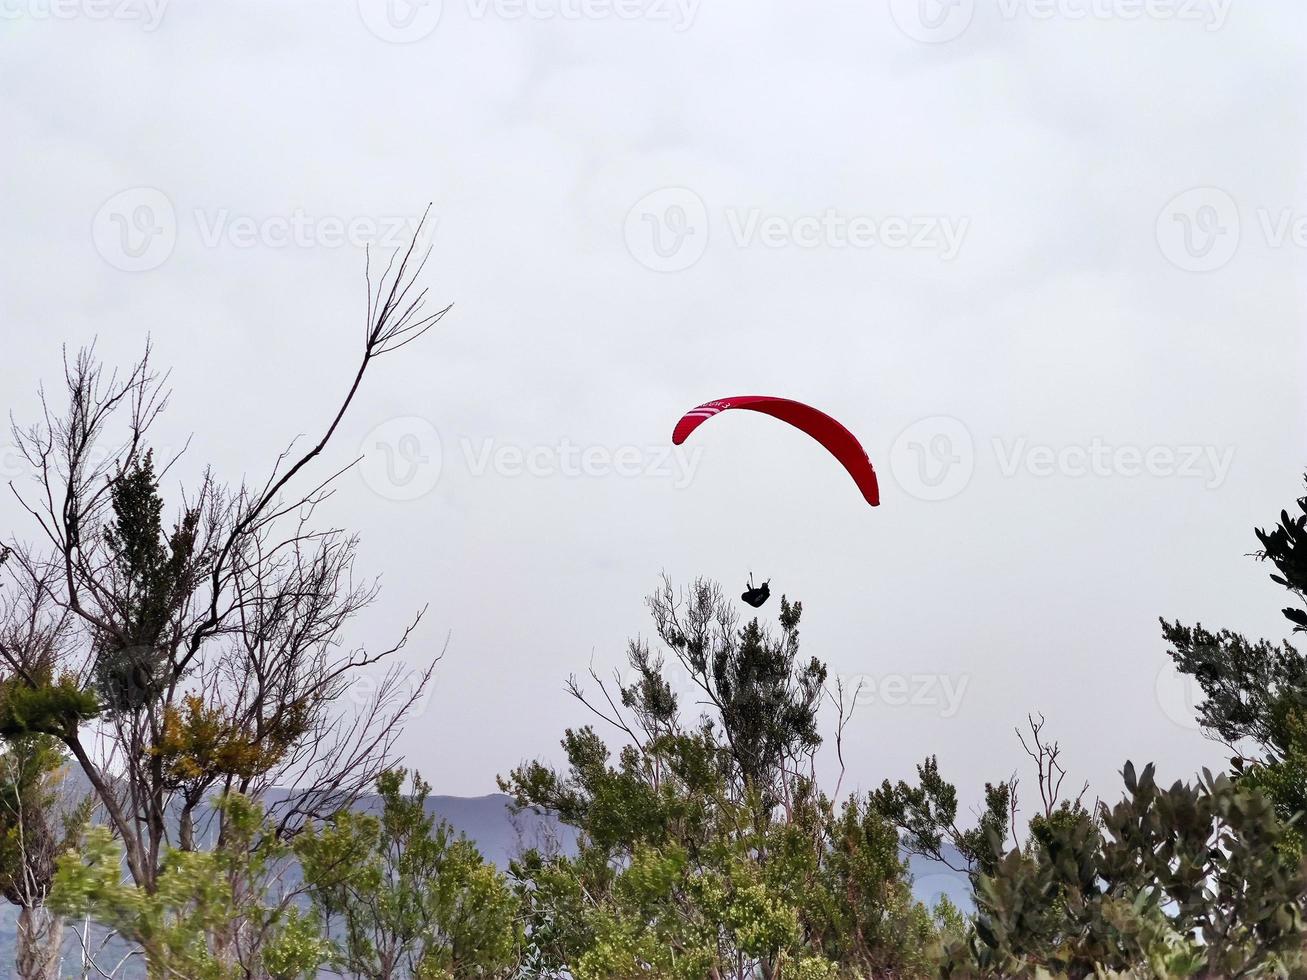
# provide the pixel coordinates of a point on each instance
(1049, 771)
(97, 956)
(216, 649)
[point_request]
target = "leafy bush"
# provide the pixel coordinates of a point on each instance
(1176, 882)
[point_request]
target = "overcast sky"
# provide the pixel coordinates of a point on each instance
(1045, 259)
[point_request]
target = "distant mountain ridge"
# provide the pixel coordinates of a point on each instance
(489, 822)
(501, 836)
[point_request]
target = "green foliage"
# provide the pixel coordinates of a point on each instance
(860, 912)
(1284, 782)
(926, 814)
(407, 898)
(702, 849)
(1255, 692)
(51, 707)
(1285, 546)
(668, 791)
(766, 699)
(199, 743)
(705, 847)
(34, 827)
(1167, 883)
(185, 926)
(674, 912)
(171, 925)
(1250, 689)
(155, 573)
(691, 884)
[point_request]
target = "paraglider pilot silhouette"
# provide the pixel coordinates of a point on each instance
(837, 440)
(756, 596)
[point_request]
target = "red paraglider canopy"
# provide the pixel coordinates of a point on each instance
(839, 441)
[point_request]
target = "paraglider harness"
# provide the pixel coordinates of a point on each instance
(756, 596)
